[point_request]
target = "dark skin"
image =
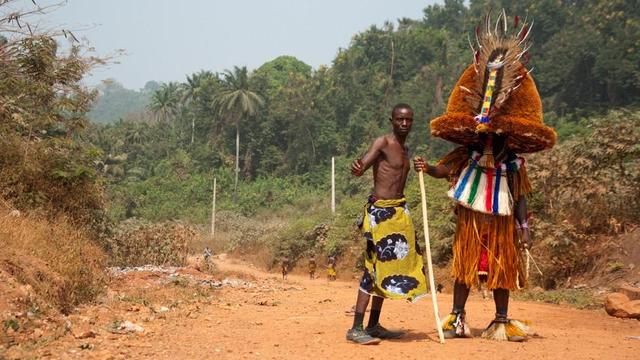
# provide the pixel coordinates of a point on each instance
(460, 290)
(390, 159)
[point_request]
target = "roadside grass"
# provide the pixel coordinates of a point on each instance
(577, 298)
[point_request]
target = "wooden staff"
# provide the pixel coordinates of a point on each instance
(425, 223)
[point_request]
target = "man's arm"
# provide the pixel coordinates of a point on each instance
(437, 171)
(359, 166)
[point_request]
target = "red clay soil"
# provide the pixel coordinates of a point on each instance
(301, 319)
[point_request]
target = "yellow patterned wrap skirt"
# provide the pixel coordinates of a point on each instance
(393, 259)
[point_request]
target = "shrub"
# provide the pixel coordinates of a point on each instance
(58, 261)
(137, 243)
(586, 187)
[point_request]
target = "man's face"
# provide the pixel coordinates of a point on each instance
(401, 120)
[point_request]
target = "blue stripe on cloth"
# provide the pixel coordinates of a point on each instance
(465, 180)
(496, 190)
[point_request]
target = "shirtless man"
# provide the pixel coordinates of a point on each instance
(393, 260)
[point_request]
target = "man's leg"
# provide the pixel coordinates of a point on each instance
(373, 327)
(374, 314)
(361, 307)
(357, 334)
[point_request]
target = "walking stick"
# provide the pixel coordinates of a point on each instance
(528, 263)
(432, 286)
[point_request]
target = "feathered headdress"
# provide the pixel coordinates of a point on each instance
(496, 94)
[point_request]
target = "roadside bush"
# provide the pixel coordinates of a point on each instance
(55, 259)
(137, 243)
(586, 188)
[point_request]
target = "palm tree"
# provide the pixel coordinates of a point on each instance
(239, 102)
(164, 101)
(191, 92)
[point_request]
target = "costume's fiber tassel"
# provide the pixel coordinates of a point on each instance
(509, 330)
(487, 161)
(451, 323)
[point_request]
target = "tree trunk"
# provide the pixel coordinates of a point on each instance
(438, 92)
(193, 129)
(246, 168)
(235, 187)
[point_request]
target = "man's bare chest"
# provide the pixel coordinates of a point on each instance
(395, 158)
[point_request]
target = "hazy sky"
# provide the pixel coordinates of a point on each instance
(166, 40)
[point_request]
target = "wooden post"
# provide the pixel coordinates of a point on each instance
(425, 223)
(213, 211)
(237, 169)
(333, 185)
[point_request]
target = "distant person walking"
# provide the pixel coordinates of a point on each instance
(331, 268)
(312, 268)
(285, 267)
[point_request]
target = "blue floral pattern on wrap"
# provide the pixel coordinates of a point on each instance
(392, 247)
(399, 284)
(366, 283)
(378, 215)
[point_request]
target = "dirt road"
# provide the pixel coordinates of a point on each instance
(302, 318)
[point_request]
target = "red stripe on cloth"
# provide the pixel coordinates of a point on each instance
(489, 192)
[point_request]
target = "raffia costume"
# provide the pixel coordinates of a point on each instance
(495, 95)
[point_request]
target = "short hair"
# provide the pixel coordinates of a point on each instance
(401, 106)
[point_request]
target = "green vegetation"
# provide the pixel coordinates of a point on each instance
(45, 163)
(586, 188)
(578, 298)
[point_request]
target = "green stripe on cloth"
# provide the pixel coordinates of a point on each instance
(474, 186)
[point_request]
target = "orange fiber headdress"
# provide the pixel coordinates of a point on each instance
(496, 94)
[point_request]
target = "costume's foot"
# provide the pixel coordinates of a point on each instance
(455, 326)
(359, 336)
(378, 331)
(504, 329)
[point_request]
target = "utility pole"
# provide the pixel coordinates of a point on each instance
(333, 185)
(213, 211)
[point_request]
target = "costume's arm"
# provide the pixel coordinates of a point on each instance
(437, 171)
(522, 218)
(359, 166)
(450, 165)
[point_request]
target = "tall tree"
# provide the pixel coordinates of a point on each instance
(164, 101)
(238, 102)
(191, 92)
